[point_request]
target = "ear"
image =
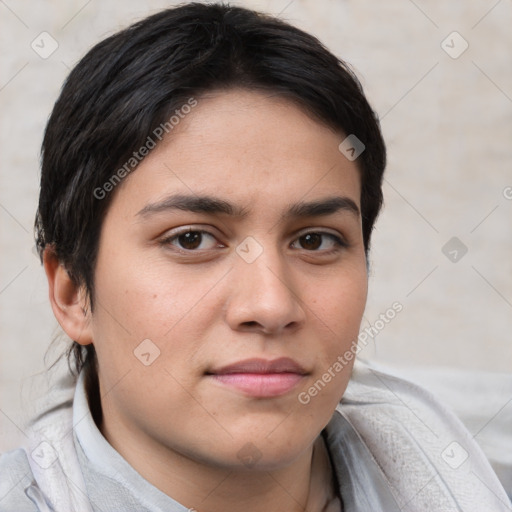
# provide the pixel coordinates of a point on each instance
(69, 303)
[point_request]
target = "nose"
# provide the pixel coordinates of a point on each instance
(263, 297)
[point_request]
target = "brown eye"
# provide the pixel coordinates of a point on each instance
(311, 241)
(191, 240)
(319, 242)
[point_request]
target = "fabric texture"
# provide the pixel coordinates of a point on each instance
(391, 445)
(480, 399)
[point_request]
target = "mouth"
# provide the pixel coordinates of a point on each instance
(260, 378)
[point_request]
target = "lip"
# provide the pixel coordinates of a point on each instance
(262, 366)
(260, 378)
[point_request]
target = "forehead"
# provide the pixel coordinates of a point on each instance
(253, 147)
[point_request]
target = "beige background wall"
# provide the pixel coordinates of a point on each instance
(448, 126)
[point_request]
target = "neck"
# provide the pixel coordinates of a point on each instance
(205, 488)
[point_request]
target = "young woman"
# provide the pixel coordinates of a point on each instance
(210, 180)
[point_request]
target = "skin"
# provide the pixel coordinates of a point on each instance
(207, 307)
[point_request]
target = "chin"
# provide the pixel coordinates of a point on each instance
(267, 453)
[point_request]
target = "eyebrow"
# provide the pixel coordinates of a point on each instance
(213, 205)
(322, 207)
(192, 203)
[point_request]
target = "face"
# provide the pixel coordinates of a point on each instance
(231, 275)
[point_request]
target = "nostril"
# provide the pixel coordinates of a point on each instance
(250, 325)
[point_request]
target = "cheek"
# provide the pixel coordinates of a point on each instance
(337, 312)
(151, 309)
(340, 300)
(148, 298)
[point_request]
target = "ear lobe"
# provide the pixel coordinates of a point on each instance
(68, 300)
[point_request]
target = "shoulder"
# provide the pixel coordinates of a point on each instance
(22, 477)
(423, 450)
(15, 477)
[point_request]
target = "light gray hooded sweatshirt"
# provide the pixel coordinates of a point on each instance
(393, 448)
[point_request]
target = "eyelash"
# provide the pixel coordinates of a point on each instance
(339, 242)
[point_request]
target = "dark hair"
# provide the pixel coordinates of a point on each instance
(132, 82)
